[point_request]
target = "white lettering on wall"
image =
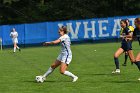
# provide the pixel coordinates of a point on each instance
(132, 21)
(116, 27)
(86, 29)
(74, 33)
(103, 28)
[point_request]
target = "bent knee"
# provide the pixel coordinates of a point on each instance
(133, 60)
(62, 71)
(115, 56)
(137, 59)
(53, 66)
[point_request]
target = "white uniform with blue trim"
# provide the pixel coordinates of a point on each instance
(66, 54)
(14, 36)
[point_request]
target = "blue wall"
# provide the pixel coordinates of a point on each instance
(96, 29)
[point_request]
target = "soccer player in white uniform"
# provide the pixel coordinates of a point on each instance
(14, 36)
(65, 57)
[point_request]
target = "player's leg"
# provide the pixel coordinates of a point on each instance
(15, 45)
(125, 61)
(18, 48)
(131, 56)
(63, 70)
(54, 65)
(138, 61)
(16, 40)
(51, 69)
(116, 60)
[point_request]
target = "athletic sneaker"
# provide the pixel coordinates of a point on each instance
(44, 78)
(75, 79)
(117, 71)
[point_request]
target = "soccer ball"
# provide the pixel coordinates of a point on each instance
(39, 79)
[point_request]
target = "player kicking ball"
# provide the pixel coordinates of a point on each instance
(64, 59)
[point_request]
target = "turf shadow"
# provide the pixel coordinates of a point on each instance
(122, 81)
(50, 81)
(98, 74)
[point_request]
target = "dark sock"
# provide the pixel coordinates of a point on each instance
(139, 41)
(126, 56)
(138, 64)
(116, 62)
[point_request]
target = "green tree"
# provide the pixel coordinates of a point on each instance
(26, 11)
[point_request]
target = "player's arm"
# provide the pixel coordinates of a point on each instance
(122, 36)
(11, 35)
(130, 35)
(52, 42)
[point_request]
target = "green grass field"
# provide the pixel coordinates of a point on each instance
(18, 71)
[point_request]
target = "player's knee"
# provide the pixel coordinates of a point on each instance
(132, 60)
(62, 71)
(115, 56)
(53, 66)
(137, 59)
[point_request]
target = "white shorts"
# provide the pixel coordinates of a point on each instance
(65, 58)
(15, 40)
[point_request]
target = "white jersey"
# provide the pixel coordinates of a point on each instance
(65, 44)
(66, 54)
(14, 36)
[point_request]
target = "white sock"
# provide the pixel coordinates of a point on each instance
(67, 73)
(14, 49)
(17, 47)
(50, 70)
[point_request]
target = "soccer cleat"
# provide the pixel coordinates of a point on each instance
(75, 79)
(117, 71)
(138, 79)
(44, 78)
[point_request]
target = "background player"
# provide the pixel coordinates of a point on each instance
(137, 34)
(132, 30)
(14, 36)
(125, 45)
